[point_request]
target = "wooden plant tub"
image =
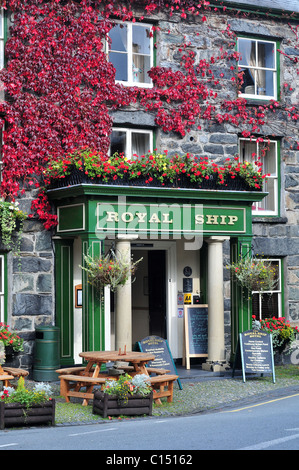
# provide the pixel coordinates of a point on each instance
(16, 414)
(108, 405)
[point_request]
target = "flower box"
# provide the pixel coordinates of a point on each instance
(17, 414)
(109, 405)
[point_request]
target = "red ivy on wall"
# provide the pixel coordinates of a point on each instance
(61, 87)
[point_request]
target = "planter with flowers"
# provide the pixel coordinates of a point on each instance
(154, 169)
(23, 407)
(109, 270)
(283, 334)
(254, 274)
(125, 396)
(13, 344)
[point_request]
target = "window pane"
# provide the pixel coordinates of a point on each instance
(247, 51)
(266, 56)
(267, 153)
(118, 142)
(268, 203)
(141, 40)
(118, 36)
(141, 65)
(248, 150)
(140, 144)
(119, 62)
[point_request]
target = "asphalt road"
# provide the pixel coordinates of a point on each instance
(271, 424)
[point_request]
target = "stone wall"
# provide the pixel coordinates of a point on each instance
(31, 284)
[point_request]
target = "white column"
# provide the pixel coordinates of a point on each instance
(216, 360)
(123, 312)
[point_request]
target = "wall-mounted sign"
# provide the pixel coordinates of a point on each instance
(78, 296)
(180, 298)
(181, 219)
(187, 271)
(187, 298)
(187, 284)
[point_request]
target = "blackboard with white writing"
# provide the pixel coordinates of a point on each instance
(255, 353)
(163, 357)
(196, 332)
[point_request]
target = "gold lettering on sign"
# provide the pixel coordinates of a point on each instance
(212, 219)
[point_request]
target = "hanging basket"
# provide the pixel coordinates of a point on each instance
(109, 270)
(255, 274)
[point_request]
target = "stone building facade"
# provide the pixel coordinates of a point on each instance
(30, 295)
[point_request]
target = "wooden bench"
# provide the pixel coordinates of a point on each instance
(15, 372)
(158, 383)
(70, 370)
(5, 378)
(70, 381)
(10, 373)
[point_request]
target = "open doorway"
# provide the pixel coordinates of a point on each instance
(149, 295)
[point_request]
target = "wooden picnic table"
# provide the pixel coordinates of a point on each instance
(91, 375)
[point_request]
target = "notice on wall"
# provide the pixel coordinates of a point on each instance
(163, 357)
(196, 332)
(255, 353)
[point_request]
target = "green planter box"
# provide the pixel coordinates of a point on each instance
(108, 405)
(16, 414)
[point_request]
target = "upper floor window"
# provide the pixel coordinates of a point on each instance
(258, 62)
(131, 142)
(267, 153)
(268, 304)
(131, 53)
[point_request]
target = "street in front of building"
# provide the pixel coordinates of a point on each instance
(243, 427)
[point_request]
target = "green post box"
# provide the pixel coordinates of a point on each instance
(47, 354)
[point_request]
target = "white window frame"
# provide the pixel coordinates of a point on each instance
(129, 131)
(274, 70)
(130, 81)
(275, 177)
(2, 293)
(277, 291)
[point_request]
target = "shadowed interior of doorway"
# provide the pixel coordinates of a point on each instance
(149, 295)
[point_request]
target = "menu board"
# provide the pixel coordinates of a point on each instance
(255, 351)
(163, 357)
(196, 332)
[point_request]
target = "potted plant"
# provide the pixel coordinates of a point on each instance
(254, 274)
(125, 396)
(23, 407)
(283, 334)
(109, 270)
(12, 342)
(11, 219)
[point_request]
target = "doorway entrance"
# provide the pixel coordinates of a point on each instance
(149, 295)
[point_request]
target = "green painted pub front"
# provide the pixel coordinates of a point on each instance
(92, 216)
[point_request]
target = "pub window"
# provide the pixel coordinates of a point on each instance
(266, 152)
(131, 142)
(258, 64)
(131, 53)
(268, 304)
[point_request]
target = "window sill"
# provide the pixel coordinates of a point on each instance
(274, 219)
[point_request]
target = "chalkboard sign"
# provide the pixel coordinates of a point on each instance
(196, 332)
(163, 357)
(255, 353)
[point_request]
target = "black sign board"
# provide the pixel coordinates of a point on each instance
(163, 357)
(255, 353)
(196, 332)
